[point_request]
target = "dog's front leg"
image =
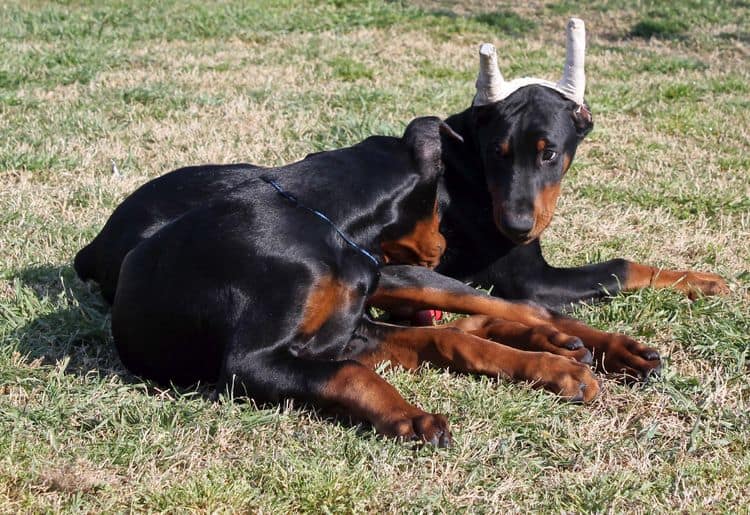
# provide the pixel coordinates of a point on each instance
(347, 386)
(689, 282)
(458, 351)
(423, 289)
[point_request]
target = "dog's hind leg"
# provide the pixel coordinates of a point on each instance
(452, 348)
(347, 386)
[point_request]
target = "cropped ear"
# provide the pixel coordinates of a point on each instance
(447, 130)
(583, 120)
(425, 137)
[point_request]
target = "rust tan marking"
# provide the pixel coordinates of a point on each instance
(366, 395)
(689, 282)
(541, 145)
(479, 304)
(614, 352)
(328, 295)
(566, 162)
(544, 209)
(410, 347)
(424, 246)
(504, 149)
(542, 338)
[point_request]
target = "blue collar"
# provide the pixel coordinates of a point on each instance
(291, 198)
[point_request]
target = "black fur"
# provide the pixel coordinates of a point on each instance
(209, 268)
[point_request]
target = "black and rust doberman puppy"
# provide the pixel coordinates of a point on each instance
(263, 289)
(496, 196)
(502, 183)
(499, 192)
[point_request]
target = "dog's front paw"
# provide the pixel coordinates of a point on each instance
(623, 355)
(704, 283)
(548, 339)
(569, 379)
(424, 427)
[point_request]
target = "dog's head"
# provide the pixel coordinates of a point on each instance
(526, 145)
(415, 238)
(527, 131)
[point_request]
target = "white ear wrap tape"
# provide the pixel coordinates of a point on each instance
(490, 80)
(573, 82)
(491, 87)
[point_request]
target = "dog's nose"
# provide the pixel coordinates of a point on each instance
(517, 227)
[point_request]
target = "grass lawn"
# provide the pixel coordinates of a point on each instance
(98, 97)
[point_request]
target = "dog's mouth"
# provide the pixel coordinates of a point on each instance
(518, 240)
(519, 234)
(431, 263)
(411, 257)
(521, 241)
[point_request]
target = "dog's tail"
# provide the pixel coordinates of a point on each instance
(84, 264)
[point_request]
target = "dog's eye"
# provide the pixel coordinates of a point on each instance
(548, 156)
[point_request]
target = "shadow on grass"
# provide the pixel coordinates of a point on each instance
(57, 318)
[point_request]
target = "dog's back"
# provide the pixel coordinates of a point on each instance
(148, 209)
